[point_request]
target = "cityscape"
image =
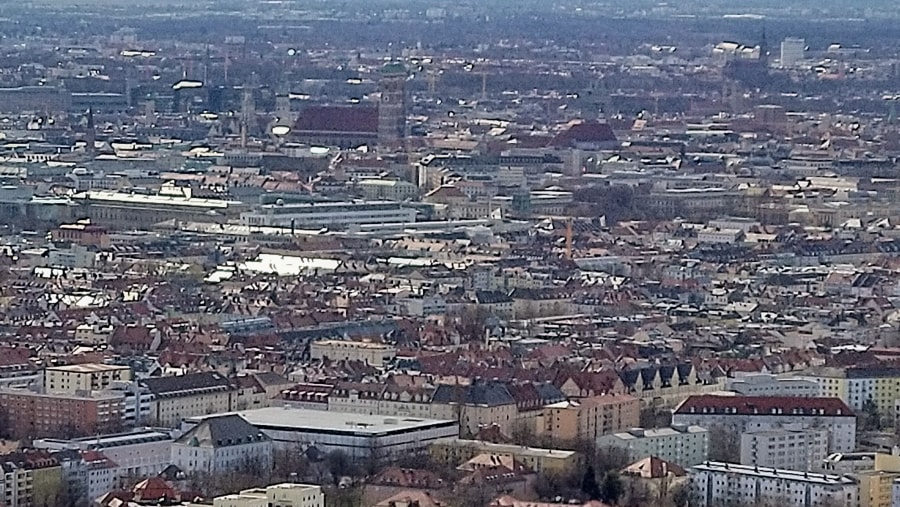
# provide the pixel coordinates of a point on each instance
(434, 253)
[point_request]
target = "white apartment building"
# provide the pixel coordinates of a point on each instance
(793, 51)
(743, 224)
(138, 453)
(716, 484)
(787, 449)
(222, 444)
(277, 495)
(764, 384)
(332, 215)
(685, 446)
(740, 414)
(719, 236)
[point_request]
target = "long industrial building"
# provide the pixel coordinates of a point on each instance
(360, 436)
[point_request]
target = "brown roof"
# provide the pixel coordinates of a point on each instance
(337, 119)
(763, 405)
(154, 489)
(407, 478)
(411, 497)
(585, 132)
(653, 468)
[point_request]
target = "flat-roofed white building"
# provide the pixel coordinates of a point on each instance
(360, 436)
(685, 446)
(138, 453)
(276, 495)
(715, 484)
(89, 377)
(388, 190)
(785, 448)
(764, 384)
(131, 210)
(332, 215)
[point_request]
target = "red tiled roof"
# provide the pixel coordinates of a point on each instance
(585, 132)
(407, 478)
(154, 489)
(337, 119)
(653, 468)
(763, 405)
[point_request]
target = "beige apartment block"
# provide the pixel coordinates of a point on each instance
(81, 378)
(375, 354)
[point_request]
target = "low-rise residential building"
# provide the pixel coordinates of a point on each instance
(455, 451)
(785, 448)
(739, 414)
(684, 446)
(714, 484)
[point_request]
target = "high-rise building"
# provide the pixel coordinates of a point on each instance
(793, 50)
(392, 106)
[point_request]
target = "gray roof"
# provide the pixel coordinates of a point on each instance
(187, 384)
(344, 423)
(222, 431)
(491, 394)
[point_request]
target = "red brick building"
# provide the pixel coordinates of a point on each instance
(34, 415)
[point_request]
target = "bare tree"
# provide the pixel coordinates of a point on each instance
(724, 444)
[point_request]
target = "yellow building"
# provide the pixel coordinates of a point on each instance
(30, 479)
(375, 354)
(277, 495)
(875, 487)
(180, 397)
(856, 386)
(589, 418)
(46, 482)
(76, 378)
(452, 452)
